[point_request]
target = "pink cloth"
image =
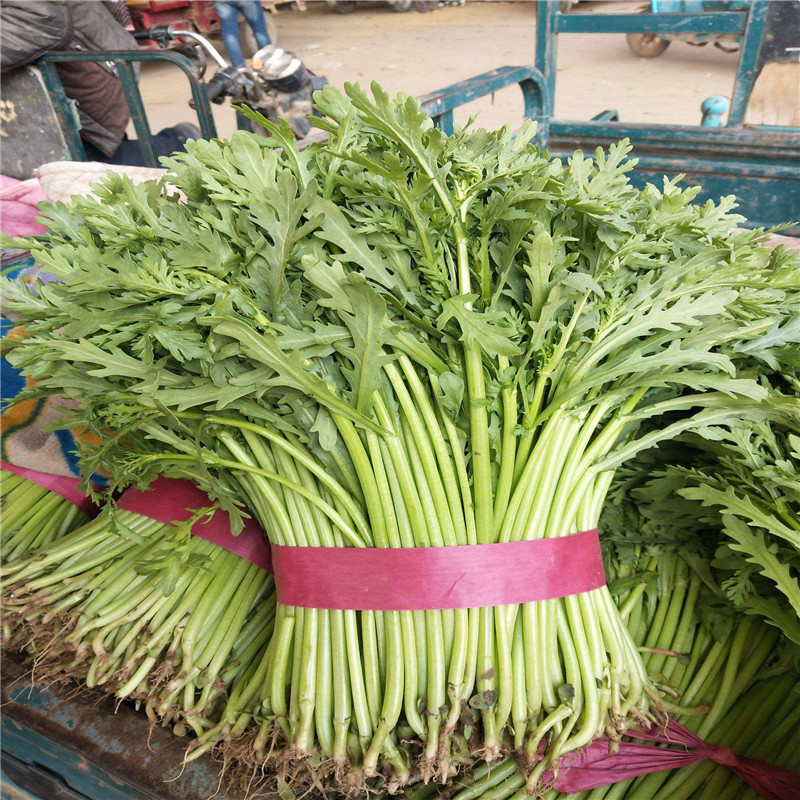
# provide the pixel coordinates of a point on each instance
(19, 206)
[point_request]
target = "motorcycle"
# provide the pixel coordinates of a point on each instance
(275, 83)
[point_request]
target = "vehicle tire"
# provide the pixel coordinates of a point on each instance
(345, 6)
(247, 39)
(401, 6)
(647, 45)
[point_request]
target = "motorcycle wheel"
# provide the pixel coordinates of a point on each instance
(401, 6)
(345, 6)
(247, 39)
(647, 45)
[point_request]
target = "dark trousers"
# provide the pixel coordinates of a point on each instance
(130, 152)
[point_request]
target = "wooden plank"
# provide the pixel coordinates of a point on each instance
(775, 99)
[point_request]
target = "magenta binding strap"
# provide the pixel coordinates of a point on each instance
(169, 500)
(62, 485)
(464, 576)
(384, 579)
(594, 766)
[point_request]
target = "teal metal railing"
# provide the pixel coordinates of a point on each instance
(123, 61)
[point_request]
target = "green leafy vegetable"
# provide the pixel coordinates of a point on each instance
(402, 339)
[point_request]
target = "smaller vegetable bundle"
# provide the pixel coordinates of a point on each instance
(33, 515)
(143, 610)
(733, 494)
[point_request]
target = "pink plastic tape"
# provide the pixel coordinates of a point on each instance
(171, 500)
(465, 576)
(594, 766)
(391, 579)
(62, 485)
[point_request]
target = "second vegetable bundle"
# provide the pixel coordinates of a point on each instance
(399, 339)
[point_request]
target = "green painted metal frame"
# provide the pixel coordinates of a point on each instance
(717, 22)
(123, 60)
(750, 24)
(440, 105)
(760, 165)
(550, 21)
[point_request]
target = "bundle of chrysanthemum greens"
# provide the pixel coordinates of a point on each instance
(144, 610)
(32, 515)
(402, 339)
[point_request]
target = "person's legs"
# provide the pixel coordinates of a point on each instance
(128, 153)
(254, 14)
(166, 142)
(229, 27)
(170, 140)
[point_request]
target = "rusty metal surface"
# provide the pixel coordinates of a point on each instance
(120, 744)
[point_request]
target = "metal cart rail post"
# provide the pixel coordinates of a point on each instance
(439, 105)
(123, 60)
(760, 165)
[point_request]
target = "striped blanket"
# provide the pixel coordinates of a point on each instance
(29, 432)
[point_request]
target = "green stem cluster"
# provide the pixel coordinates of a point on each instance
(416, 693)
(723, 689)
(96, 604)
(33, 516)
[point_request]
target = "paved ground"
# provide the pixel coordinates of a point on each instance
(417, 53)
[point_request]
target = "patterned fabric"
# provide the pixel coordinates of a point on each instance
(25, 436)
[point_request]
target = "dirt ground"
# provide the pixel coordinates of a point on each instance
(418, 53)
